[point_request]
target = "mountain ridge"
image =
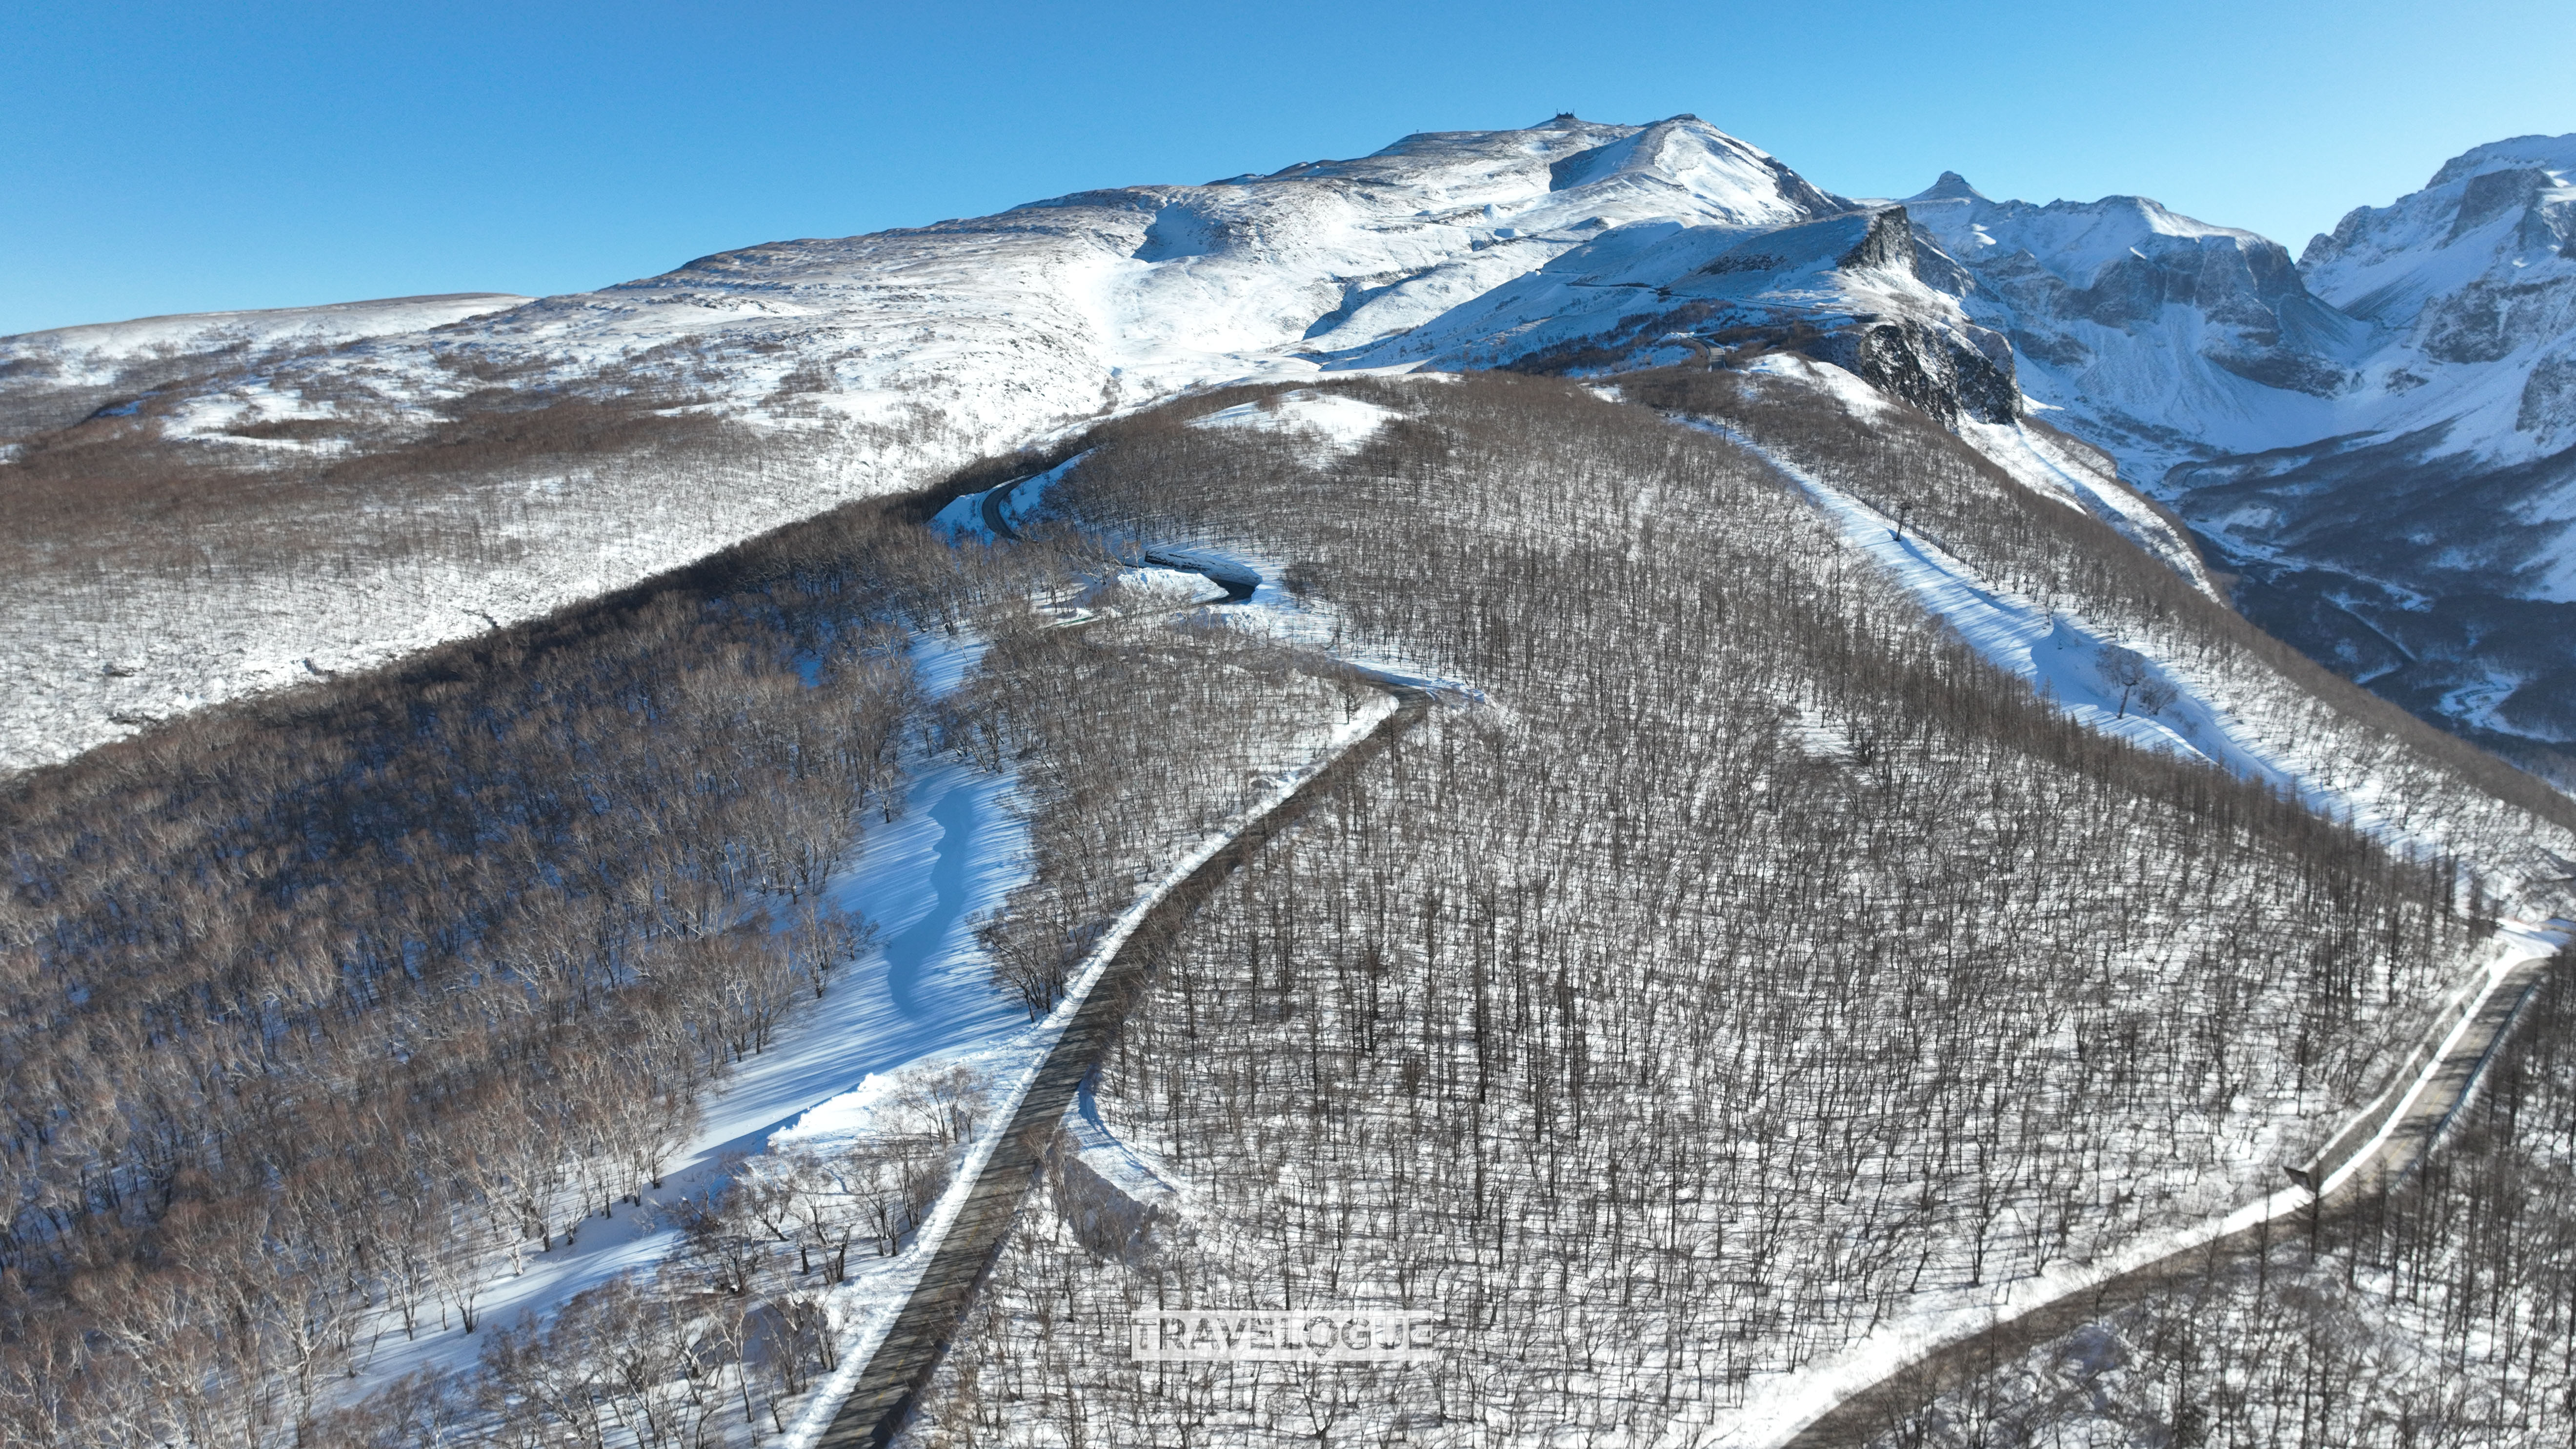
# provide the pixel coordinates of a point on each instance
(2201, 357)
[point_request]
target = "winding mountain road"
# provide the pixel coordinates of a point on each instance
(900, 1366)
(2381, 1143)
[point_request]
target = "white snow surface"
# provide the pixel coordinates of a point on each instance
(1340, 424)
(1060, 309)
(2162, 338)
(93, 353)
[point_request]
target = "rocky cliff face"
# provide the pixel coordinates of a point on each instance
(2376, 439)
(2421, 538)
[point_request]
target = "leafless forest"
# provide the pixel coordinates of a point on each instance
(315, 1006)
(1755, 969)
(1740, 967)
(322, 1007)
(2442, 1313)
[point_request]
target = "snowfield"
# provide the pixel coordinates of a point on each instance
(2165, 340)
(95, 354)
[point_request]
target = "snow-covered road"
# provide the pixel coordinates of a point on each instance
(904, 1332)
(2119, 687)
(1848, 1399)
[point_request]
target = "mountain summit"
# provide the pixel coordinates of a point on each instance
(2418, 358)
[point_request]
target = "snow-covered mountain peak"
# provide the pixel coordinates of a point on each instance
(1951, 187)
(1729, 181)
(2554, 153)
(2077, 240)
(2503, 213)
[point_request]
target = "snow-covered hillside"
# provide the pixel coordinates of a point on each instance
(2424, 347)
(50, 378)
(1058, 309)
(975, 335)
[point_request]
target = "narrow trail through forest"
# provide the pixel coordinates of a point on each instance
(884, 1389)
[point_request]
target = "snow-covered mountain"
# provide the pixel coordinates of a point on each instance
(2420, 538)
(2166, 336)
(1445, 249)
(50, 378)
(1053, 311)
(2415, 367)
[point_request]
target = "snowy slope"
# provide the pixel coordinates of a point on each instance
(2427, 342)
(885, 358)
(2166, 337)
(97, 352)
(1063, 308)
(54, 378)
(2378, 440)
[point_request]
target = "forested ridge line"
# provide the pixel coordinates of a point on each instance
(1760, 967)
(1896, 459)
(884, 1390)
(312, 1005)
(485, 926)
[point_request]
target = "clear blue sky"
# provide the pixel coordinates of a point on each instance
(168, 158)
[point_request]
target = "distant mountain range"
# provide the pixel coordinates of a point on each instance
(2374, 446)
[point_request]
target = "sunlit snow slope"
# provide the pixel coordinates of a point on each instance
(2377, 438)
(2380, 439)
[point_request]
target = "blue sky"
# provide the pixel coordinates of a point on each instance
(167, 158)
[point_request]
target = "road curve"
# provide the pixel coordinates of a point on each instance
(2379, 1147)
(2381, 1143)
(1238, 581)
(885, 1389)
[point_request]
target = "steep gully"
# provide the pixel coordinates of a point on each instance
(2378, 1145)
(881, 1392)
